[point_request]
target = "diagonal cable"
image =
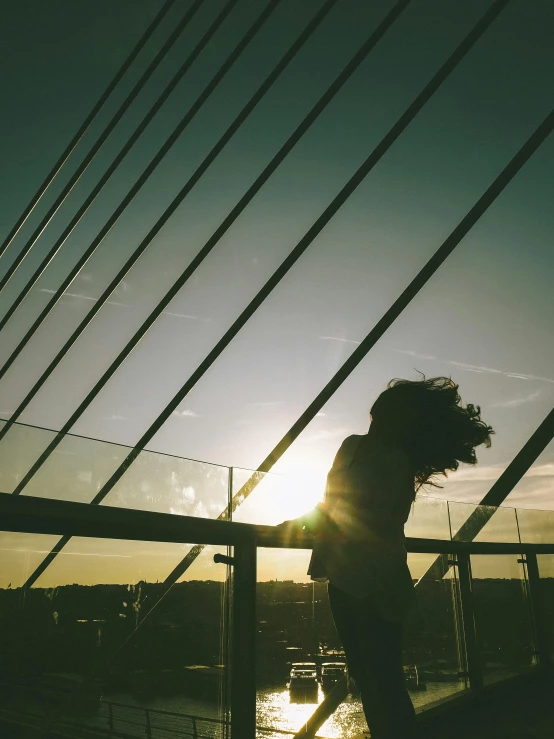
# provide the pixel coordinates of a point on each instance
(82, 130)
(100, 141)
(191, 113)
(281, 154)
(409, 293)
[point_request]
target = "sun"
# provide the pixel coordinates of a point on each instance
(282, 496)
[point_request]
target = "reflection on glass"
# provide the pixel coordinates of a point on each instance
(79, 467)
(502, 616)
(536, 527)
(95, 645)
(298, 647)
(428, 519)
(20, 555)
(433, 651)
(261, 498)
(483, 523)
(270, 498)
(19, 449)
(546, 572)
(158, 482)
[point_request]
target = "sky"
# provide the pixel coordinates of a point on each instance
(484, 319)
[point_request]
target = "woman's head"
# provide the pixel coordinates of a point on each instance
(427, 418)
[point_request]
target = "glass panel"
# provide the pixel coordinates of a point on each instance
(536, 526)
(90, 646)
(433, 644)
(299, 654)
(536, 487)
(546, 571)
(428, 519)
(21, 554)
(19, 449)
(270, 497)
(295, 623)
(502, 616)
(483, 523)
(79, 467)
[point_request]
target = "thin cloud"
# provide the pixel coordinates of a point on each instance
(125, 287)
(187, 316)
(516, 402)
(483, 473)
(114, 417)
(541, 470)
(187, 413)
(475, 367)
(83, 297)
(339, 338)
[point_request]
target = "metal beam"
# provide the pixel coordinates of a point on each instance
(32, 515)
(243, 645)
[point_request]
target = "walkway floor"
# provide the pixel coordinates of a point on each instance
(524, 711)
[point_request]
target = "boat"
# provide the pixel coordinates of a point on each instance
(413, 679)
(331, 673)
(303, 680)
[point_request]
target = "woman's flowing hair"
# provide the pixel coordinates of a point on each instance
(427, 417)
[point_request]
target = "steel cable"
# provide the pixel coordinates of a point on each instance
(100, 141)
(191, 113)
(82, 130)
(231, 130)
(424, 275)
(405, 298)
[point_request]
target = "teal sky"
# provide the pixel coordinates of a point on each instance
(485, 318)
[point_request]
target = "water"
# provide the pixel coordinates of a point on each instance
(277, 712)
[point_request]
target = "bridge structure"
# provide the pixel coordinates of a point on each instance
(177, 610)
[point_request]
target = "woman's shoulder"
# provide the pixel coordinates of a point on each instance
(346, 450)
(353, 440)
(351, 443)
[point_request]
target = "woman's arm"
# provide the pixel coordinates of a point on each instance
(313, 522)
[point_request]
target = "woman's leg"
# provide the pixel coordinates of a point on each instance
(373, 649)
(389, 706)
(345, 623)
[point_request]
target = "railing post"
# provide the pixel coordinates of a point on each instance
(474, 672)
(534, 595)
(148, 726)
(243, 647)
(194, 729)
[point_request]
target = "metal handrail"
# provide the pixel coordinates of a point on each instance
(32, 515)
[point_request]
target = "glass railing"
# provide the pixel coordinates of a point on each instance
(93, 644)
(92, 621)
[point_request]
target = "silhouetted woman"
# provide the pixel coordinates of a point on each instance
(418, 430)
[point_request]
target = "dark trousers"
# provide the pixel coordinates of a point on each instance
(373, 649)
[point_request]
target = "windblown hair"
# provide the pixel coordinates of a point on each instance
(427, 418)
